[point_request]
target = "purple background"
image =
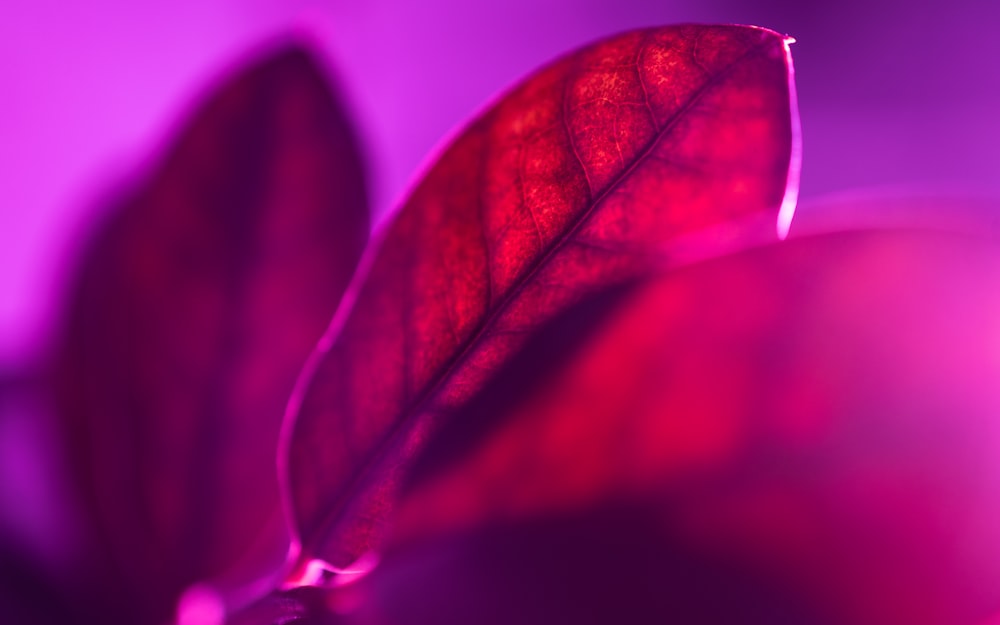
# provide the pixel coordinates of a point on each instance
(892, 92)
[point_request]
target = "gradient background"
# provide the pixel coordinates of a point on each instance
(894, 94)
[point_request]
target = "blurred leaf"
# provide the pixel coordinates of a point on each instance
(872, 209)
(193, 313)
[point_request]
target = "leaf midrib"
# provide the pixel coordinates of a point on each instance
(407, 415)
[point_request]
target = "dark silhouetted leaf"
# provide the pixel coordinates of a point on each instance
(645, 150)
(824, 407)
(194, 311)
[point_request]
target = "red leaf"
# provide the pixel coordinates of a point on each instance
(194, 312)
(647, 149)
(824, 408)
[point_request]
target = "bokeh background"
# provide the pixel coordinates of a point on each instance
(894, 94)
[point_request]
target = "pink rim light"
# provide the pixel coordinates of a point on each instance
(791, 198)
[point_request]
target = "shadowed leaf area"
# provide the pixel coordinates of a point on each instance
(616, 564)
(822, 410)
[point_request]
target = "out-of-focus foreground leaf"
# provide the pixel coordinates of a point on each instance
(641, 151)
(194, 311)
(820, 413)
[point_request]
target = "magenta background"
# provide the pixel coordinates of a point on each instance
(892, 92)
